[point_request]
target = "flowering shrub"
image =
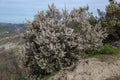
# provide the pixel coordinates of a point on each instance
(58, 39)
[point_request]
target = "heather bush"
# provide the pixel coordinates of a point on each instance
(56, 39)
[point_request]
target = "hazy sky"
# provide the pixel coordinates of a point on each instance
(18, 11)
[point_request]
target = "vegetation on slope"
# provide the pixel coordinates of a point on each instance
(55, 40)
(105, 50)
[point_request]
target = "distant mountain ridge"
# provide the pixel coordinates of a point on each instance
(9, 29)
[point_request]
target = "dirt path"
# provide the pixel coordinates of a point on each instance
(89, 69)
(8, 45)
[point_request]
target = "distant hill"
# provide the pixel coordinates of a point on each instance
(7, 29)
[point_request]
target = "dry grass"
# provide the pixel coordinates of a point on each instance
(9, 65)
(12, 39)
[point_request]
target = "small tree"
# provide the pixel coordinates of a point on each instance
(111, 20)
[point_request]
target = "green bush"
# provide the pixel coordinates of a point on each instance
(111, 20)
(58, 39)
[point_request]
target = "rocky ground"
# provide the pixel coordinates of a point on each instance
(90, 69)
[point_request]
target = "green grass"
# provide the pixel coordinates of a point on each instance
(6, 33)
(21, 79)
(113, 78)
(3, 31)
(106, 50)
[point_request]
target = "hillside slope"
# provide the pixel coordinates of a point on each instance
(90, 69)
